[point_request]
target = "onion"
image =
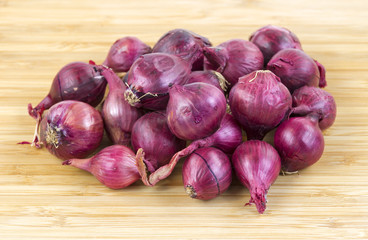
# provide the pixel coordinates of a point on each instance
(71, 129)
(75, 81)
(296, 69)
(114, 166)
(124, 52)
(299, 142)
(118, 115)
(195, 110)
(259, 102)
(226, 138)
(206, 173)
(271, 39)
(233, 59)
(210, 77)
(312, 100)
(150, 78)
(257, 165)
(184, 44)
(152, 134)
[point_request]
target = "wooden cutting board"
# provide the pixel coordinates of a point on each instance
(41, 199)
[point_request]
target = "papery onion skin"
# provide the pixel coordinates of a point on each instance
(184, 44)
(259, 102)
(71, 129)
(118, 115)
(150, 78)
(296, 69)
(210, 77)
(114, 166)
(124, 52)
(75, 81)
(257, 165)
(312, 100)
(152, 134)
(206, 173)
(299, 142)
(195, 110)
(233, 59)
(270, 39)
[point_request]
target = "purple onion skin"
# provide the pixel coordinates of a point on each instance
(271, 39)
(152, 134)
(299, 142)
(124, 52)
(75, 81)
(209, 76)
(114, 166)
(296, 69)
(195, 110)
(150, 78)
(259, 102)
(233, 59)
(257, 165)
(118, 115)
(71, 129)
(206, 173)
(184, 44)
(311, 100)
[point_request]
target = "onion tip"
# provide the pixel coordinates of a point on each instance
(191, 191)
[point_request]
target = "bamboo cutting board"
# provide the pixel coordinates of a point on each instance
(41, 199)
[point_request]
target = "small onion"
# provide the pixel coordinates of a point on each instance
(114, 166)
(257, 165)
(233, 59)
(259, 102)
(271, 39)
(206, 173)
(299, 142)
(296, 69)
(124, 52)
(150, 78)
(210, 77)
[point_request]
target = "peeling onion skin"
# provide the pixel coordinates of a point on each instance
(118, 115)
(312, 100)
(184, 44)
(114, 166)
(150, 78)
(296, 69)
(152, 134)
(71, 129)
(270, 39)
(257, 165)
(206, 173)
(259, 102)
(233, 59)
(195, 110)
(124, 52)
(299, 142)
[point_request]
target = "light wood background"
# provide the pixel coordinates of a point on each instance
(41, 199)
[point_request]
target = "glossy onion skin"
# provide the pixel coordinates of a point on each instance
(118, 115)
(233, 59)
(114, 166)
(71, 129)
(313, 100)
(208, 76)
(270, 39)
(206, 173)
(295, 69)
(124, 52)
(155, 73)
(259, 102)
(257, 165)
(152, 134)
(299, 142)
(184, 44)
(75, 81)
(195, 110)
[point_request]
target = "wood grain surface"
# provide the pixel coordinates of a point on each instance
(41, 199)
